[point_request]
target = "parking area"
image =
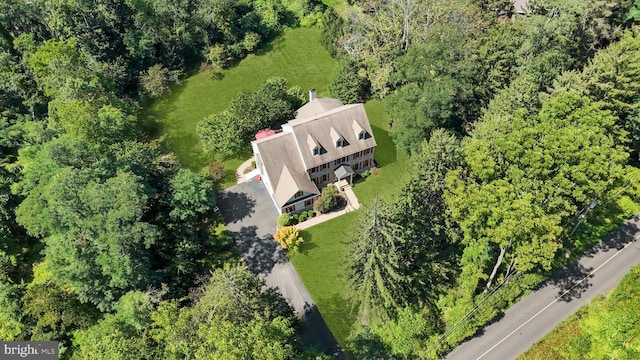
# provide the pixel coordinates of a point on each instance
(251, 218)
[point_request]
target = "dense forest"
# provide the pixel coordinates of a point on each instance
(106, 244)
(523, 131)
(523, 134)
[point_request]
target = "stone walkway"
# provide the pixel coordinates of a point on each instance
(240, 175)
(352, 204)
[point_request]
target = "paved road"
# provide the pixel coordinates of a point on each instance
(251, 218)
(536, 315)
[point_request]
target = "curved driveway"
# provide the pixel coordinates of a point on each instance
(251, 218)
(536, 315)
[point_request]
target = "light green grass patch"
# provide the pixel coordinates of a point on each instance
(323, 258)
(297, 56)
(320, 263)
(392, 163)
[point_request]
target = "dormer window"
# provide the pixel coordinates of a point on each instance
(360, 132)
(314, 146)
(337, 138)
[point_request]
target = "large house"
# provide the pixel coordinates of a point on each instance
(326, 142)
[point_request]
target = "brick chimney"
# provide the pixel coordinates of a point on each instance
(312, 94)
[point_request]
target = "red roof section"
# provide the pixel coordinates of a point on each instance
(264, 133)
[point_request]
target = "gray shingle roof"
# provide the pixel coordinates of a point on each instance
(288, 155)
(317, 107)
(343, 171)
(319, 127)
(277, 152)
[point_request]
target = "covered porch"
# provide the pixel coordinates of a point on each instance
(344, 173)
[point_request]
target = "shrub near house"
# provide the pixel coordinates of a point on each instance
(289, 238)
(327, 201)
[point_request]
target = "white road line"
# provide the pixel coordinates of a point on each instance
(559, 297)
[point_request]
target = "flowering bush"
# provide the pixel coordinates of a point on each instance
(289, 238)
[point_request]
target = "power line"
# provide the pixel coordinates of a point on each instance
(471, 312)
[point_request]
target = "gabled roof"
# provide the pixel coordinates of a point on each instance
(289, 183)
(281, 159)
(286, 157)
(343, 171)
(317, 106)
(341, 119)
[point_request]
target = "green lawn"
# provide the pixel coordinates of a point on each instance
(319, 264)
(296, 56)
(321, 261)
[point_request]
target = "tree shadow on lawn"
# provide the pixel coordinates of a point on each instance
(315, 334)
(188, 149)
(308, 243)
(384, 141)
(260, 254)
(235, 206)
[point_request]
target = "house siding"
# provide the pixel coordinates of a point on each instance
(299, 206)
(360, 161)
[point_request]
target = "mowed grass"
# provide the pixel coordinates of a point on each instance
(323, 257)
(320, 264)
(297, 56)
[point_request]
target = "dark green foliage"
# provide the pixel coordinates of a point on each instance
(430, 235)
(123, 334)
(435, 81)
(333, 28)
(111, 213)
(191, 197)
(612, 79)
(229, 131)
(96, 238)
(523, 186)
(12, 327)
(54, 313)
(348, 83)
(375, 264)
(327, 201)
(250, 321)
(364, 344)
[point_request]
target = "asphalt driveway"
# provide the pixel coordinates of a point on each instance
(251, 218)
